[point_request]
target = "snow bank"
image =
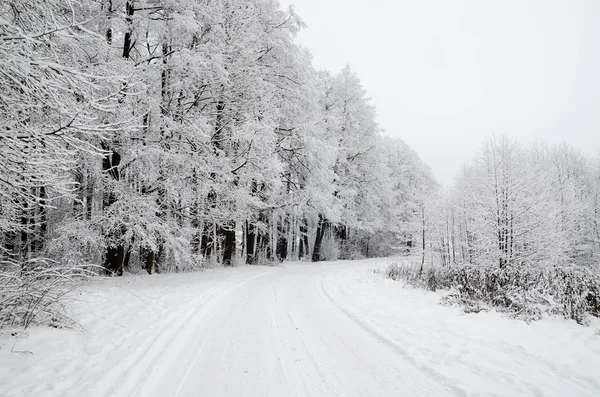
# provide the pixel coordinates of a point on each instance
(126, 325)
(483, 354)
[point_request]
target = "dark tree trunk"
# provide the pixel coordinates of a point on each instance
(164, 89)
(250, 243)
(294, 244)
(10, 243)
(423, 251)
(195, 223)
(206, 242)
(89, 197)
(129, 10)
(282, 249)
(150, 262)
(79, 195)
(282, 244)
(43, 213)
(109, 12)
(303, 249)
(243, 248)
(321, 227)
(113, 262)
(25, 230)
(227, 233)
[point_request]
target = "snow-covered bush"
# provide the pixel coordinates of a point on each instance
(76, 243)
(31, 291)
(523, 291)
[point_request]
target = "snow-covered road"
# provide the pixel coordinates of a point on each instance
(280, 334)
(331, 329)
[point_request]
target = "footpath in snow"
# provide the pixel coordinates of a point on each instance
(327, 329)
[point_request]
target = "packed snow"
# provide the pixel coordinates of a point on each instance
(325, 329)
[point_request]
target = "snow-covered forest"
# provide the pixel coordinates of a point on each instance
(174, 142)
(167, 135)
(148, 133)
(171, 135)
(519, 231)
(517, 204)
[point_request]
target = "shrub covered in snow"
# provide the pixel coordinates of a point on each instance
(524, 291)
(31, 291)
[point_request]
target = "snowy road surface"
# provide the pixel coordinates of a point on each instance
(331, 329)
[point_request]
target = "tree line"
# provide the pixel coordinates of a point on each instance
(519, 232)
(168, 134)
(520, 205)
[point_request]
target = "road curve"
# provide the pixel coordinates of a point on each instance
(281, 334)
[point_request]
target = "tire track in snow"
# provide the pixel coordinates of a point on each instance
(318, 351)
(389, 344)
(136, 372)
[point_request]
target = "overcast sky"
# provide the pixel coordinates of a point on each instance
(444, 74)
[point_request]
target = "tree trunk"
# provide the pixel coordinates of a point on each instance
(303, 248)
(227, 233)
(109, 12)
(25, 231)
(281, 250)
(150, 262)
(89, 196)
(115, 256)
(206, 242)
(224, 232)
(293, 239)
(78, 202)
(250, 243)
(195, 223)
(316, 256)
(113, 262)
(129, 10)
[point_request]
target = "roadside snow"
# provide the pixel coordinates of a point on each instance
(328, 329)
(127, 325)
(483, 354)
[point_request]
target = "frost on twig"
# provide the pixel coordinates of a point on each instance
(32, 292)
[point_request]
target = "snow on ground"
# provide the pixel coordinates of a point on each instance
(483, 354)
(328, 329)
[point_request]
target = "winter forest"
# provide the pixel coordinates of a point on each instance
(168, 135)
(190, 207)
(162, 136)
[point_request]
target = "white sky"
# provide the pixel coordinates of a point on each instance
(444, 74)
